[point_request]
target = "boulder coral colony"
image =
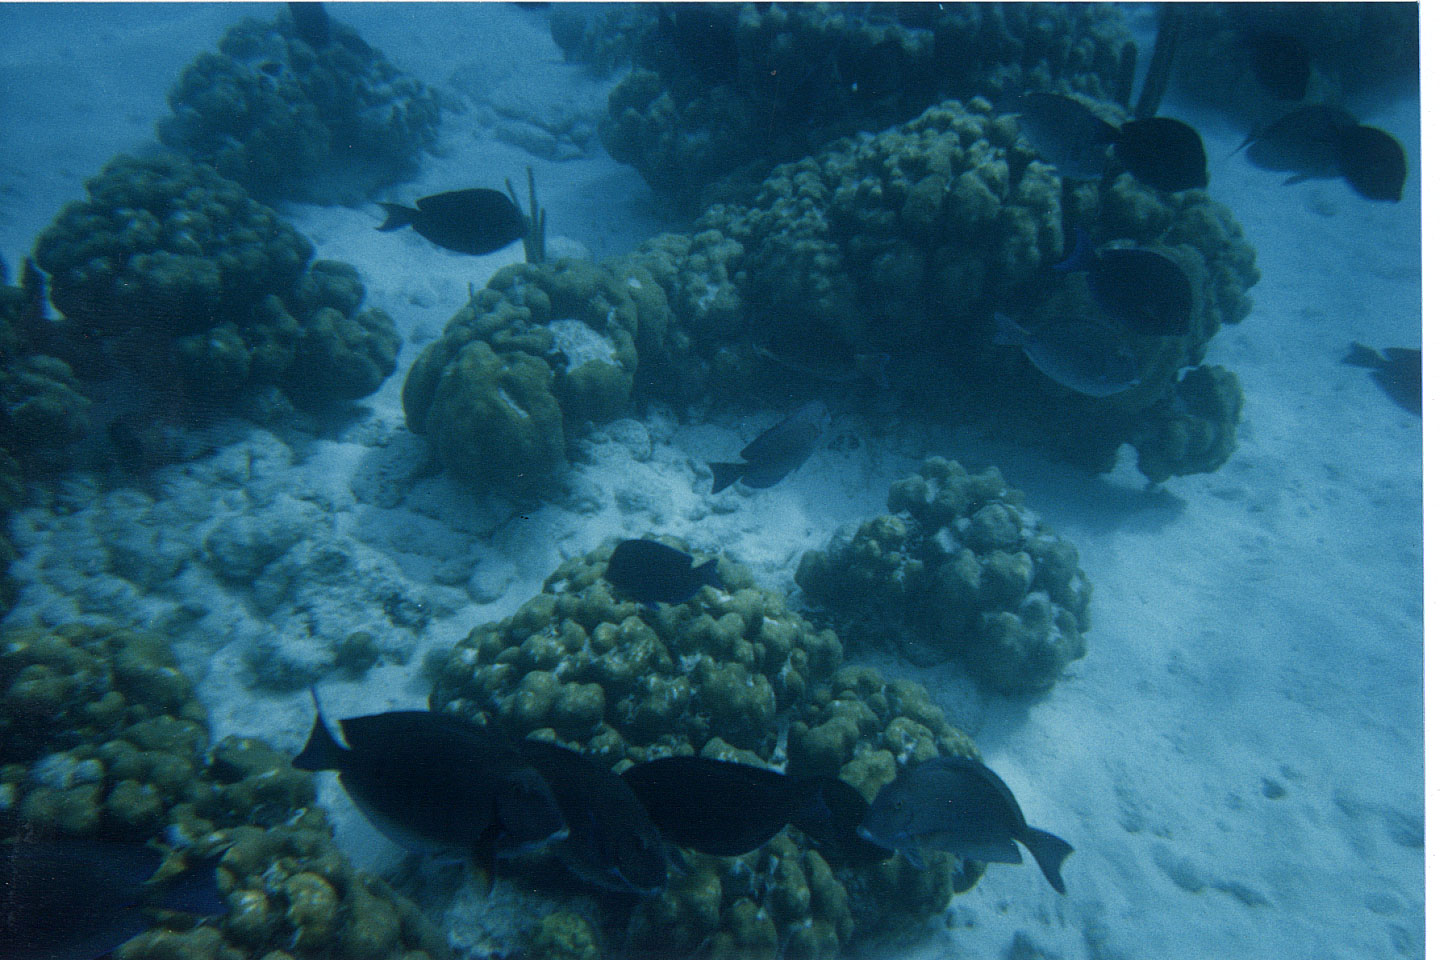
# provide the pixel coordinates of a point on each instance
(904, 241)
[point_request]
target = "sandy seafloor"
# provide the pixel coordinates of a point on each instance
(1237, 760)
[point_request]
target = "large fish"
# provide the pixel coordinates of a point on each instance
(78, 898)
(437, 785)
(475, 221)
(1144, 289)
(770, 457)
(1087, 357)
(1160, 152)
(960, 806)
(1304, 142)
(650, 573)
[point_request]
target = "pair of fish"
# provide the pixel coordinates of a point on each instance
(476, 222)
(1144, 289)
(1160, 152)
(1324, 142)
(777, 452)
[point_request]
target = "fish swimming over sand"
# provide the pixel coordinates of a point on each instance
(612, 842)
(1372, 162)
(960, 806)
(1144, 289)
(78, 898)
(1319, 142)
(1396, 370)
(476, 222)
(1088, 357)
(773, 455)
(438, 785)
(649, 572)
(1160, 152)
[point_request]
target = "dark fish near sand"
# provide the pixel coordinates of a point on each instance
(72, 898)
(1305, 142)
(475, 221)
(1088, 357)
(1372, 162)
(612, 842)
(770, 457)
(650, 573)
(312, 23)
(1158, 151)
(1281, 64)
(960, 806)
(1142, 288)
(435, 784)
(1396, 370)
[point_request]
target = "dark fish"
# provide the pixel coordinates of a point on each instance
(474, 221)
(1373, 162)
(960, 806)
(435, 784)
(650, 572)
(1305, 142)
(1088, 357)
(1281, 64)
(612, 842)
(1144, 289)
(770, 457)
(1163, 153)
(829, 811)
(1397, 371)
(1067, 134)
(312, 23)
(713, 806)
(75, 898)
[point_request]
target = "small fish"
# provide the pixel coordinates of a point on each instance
(612, 842)
(74, 898)
(1067, 134)
(773, 455)
(312, 23)
(1087, 357)
(435, 784)
(1372, 162)
(960, 806)
(1281, 64)
(1304, 142)
(1142, 288)
(1396, 370)
(1163, 153)
(476, 222)
(650, 573)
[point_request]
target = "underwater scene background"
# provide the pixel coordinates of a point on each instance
(1028, 384)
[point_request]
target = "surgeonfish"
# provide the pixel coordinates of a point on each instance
(1372, 162)
(1143, 288)
(78, 898)
(650, 573)
(1318, 141)
(476, 222)
(1085, 356)
(773, 455)
(1160, 152)
(960, 806)
(714, 806)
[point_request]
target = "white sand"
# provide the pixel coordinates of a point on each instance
(1237, 761)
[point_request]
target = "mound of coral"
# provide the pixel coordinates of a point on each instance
(289, 121)
(731, 674)
(101, 736)
(169, 271)
(958, 568)
(732, 89)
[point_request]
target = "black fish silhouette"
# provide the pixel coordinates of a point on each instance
(650, 573)
(1304, 142)
(770, 457)
(476, 222)
(1143, 288)
(1163, 153)
(1372, 162)
(1160, 152)
(1396, 370)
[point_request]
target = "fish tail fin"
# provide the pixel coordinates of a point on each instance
(194, 891)
(725, 474)
(396, 216)
(1008, 333)
(1049, 852)
(709, 574)
(1080, 257)
(322, 751)
(1363, 356)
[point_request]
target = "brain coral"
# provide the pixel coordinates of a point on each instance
(101, 735)
(730, 674)
(291, 122)
(724, 89)
(183, 278)
(958, 568)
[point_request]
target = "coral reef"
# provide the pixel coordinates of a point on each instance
(171, 271)
(543, 350)
(730, 674)
(288, 121)
(958, 568)
(728, 90)
(100, 735)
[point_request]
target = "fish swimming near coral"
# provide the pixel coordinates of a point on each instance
(312, 23)
(78, 898)
(1085, 356)
(649, 572)
(1396, 370)
(1160, 152)
(960, 806)
(1144, 289)
(829, 811)
(773, 455)
(612, 842)
(476, 222)
(435, 784)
